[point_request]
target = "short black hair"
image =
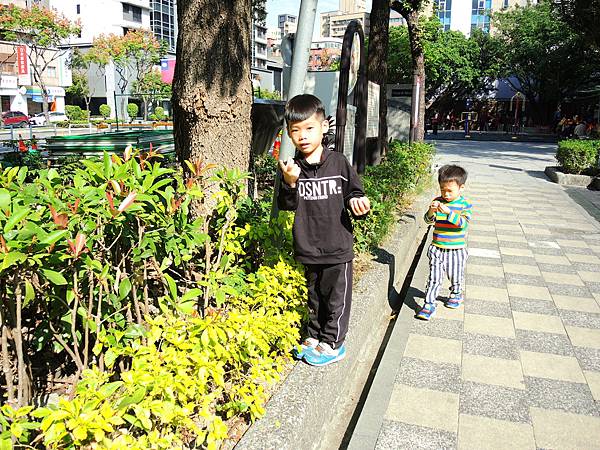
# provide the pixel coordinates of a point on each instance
(302, 107)
(452, 172)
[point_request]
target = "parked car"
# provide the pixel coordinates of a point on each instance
(40, 118)
(14, 118)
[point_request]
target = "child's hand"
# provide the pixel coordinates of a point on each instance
(360, 205)
(291, 172)
(433, 208)
(443, 208)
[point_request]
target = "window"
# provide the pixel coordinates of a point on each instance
(444, 8)
(51, 72)
(132, 13)
(480, 14)
(78, 7)
(505, 4)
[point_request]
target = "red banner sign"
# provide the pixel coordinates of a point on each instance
(22, 59)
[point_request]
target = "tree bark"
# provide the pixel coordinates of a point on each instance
(410, 10)
(377, 63)
(212, 93)
(418, 57)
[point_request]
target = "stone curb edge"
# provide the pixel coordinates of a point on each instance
(313, 406)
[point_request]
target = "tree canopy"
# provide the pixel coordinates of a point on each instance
(548, 59)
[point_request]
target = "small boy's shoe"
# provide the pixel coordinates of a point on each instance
(309, 343)
(454, 301)
(427, 312)
(323, 355)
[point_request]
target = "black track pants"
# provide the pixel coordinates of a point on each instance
(329, 298)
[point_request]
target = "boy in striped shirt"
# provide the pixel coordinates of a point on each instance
(450, 213)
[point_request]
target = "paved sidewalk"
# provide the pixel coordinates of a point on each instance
(519, 365)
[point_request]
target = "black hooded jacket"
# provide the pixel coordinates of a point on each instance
(322, 227)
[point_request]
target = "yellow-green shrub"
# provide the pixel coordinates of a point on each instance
(188, 374)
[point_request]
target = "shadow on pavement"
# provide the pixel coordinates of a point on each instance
(587, 199)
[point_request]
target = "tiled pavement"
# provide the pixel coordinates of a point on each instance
(519, 365)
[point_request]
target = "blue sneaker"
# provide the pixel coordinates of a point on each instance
(323, 355)
(309, 343)
(427, 312)
(454, 301)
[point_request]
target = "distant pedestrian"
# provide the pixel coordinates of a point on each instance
(323, 189)
(450, 214)
(21, 145)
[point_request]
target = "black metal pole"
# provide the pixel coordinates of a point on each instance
(116, 110)
(360, 97)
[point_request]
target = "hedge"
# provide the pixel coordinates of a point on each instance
(577, 156)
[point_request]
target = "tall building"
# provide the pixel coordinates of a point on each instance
(333, 24)
(467, 15)
(259, 46)
(163, 21)
(287, 23)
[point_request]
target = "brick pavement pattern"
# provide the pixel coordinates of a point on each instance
(518, 366)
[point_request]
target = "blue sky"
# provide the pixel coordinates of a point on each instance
(276, 7)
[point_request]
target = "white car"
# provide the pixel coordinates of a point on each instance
(40, 119)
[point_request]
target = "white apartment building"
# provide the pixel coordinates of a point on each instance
(466, 15)
(333, 23)
(287, 23)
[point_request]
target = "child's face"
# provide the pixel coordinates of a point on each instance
(308, 134)
(451, 190)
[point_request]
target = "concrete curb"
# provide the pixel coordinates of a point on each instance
(314, 406)
(567, 179)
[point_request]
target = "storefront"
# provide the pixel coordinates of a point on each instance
(56, 99)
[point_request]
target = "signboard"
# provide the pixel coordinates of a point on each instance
(8, 82)
(22, 60)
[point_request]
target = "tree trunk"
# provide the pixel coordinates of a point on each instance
(418, 58)
(377, 64)
(212, 93)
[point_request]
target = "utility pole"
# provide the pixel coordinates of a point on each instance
(302, 41)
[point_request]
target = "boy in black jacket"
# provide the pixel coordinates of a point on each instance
(320, 185)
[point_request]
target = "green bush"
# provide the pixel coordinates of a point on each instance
(171, 324)
(577, 156)
(74, 112)
(159, 112)
(104, 110)
(265, 169)
(132, 110)
(153, 117)
(400, 172)
(267, 95)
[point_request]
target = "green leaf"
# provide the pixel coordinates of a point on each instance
(29, 292)
(134, 398)
(192, 294)
(124, 288)
(15, 218)
(54, 277)
(109, 389)
(107, 166)
(11, 258)
(54, 237)
(172, 286)
(4, 198)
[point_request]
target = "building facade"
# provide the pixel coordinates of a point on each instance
(287, 23)
(324, 52)
(333, 24)
(18, 90)
(163, 21)
(467, 15)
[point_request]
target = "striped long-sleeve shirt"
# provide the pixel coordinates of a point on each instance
(450, 230)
